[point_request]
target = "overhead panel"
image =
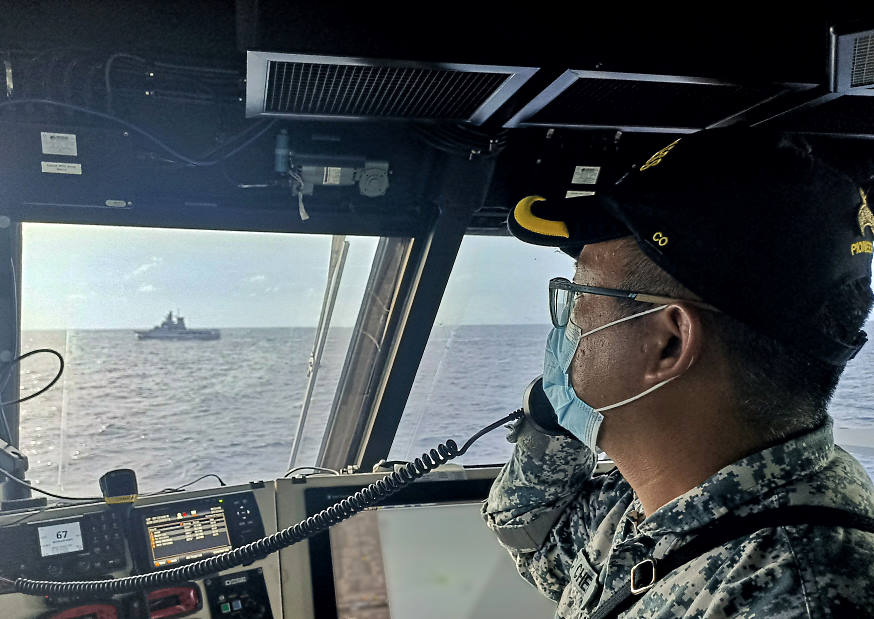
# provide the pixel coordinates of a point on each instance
(850, 116)
(327, 87)
(643, 102)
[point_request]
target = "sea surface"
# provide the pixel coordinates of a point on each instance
(174, 411)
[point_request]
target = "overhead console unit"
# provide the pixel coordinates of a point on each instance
(330, 87)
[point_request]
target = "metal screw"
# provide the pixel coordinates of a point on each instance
(125, 133)
(148, 92)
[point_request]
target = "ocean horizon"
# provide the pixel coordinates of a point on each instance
(174, 411)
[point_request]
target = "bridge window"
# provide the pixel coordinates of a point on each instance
(487, 344)
(172, 405)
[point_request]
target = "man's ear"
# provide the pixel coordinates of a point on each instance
(674, 342)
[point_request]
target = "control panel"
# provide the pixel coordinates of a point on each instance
(85, 547)
(240, 594)
(96, 541)
(184, 531)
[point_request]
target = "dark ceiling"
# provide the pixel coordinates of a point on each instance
(612, 84)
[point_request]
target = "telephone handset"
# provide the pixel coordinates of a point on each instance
(539, 411)
(536, 408)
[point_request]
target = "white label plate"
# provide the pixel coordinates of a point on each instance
(578, 194)
(59, 144)
(585, 175)
(57, 167)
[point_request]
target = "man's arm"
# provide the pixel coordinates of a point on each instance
(545, 504)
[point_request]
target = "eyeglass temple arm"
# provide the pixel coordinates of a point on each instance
(652, 298)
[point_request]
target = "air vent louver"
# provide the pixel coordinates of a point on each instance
(320, 87)
(862, 73)
(852, 62)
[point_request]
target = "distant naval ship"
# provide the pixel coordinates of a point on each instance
(175, 329)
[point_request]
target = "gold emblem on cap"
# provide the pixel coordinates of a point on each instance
(657, 157)
(866, 220)
(528, 220)
(866, 217)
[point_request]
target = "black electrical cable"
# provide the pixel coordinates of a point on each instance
(340, 511)
(190, 483)
(27, 516)
(47, 387)
(21, 482)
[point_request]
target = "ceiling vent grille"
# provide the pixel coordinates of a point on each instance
(852, 62)
(293, 85)
(642, 102)
(862, 72)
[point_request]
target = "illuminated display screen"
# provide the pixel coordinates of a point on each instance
(182, 536)
(59, 539)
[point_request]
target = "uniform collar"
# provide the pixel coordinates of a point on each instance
(747, 480)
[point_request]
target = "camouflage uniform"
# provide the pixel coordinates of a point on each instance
(575, 536)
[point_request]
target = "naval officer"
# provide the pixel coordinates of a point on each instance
(720, 289)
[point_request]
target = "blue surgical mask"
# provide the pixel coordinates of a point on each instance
(577, 417)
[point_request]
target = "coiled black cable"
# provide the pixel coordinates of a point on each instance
(340, 511)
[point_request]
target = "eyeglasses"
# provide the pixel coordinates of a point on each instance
(563, 294)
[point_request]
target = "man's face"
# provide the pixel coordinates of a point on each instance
(604, 369)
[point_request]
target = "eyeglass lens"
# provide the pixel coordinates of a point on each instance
(560, 305)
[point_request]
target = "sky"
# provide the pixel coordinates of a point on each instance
(100, 277)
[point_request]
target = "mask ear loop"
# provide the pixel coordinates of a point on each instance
(639, 395)
(651, 389)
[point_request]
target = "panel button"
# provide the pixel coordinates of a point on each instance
(225, 608)
(236, 605)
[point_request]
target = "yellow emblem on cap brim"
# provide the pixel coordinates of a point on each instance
(866, 217)
(528, 220)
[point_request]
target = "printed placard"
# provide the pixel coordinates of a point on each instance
(586, 175)
(58, 167)
(59, 144)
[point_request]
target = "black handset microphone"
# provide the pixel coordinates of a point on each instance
(539, 412)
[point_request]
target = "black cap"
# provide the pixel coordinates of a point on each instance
(747, 219)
